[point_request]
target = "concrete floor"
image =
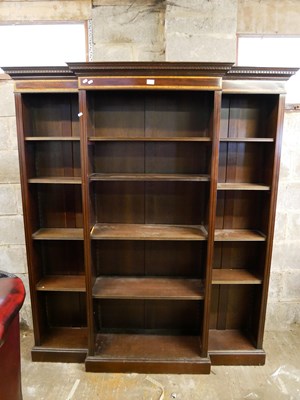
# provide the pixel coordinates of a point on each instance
(278, 379)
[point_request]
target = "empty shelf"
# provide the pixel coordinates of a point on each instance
(238, 235)
(148, 232)
(234, 276)
(148, 288)
(58, 234)
(62, 283)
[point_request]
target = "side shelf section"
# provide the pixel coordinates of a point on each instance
(49, 146)
(247, 184)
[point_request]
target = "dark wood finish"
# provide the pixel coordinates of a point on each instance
(160, 354)
(61, 283)
(149, 193)
(241, 186)
(147, 232)
(152, 83)
(149, 139)
(234, 276)
(51, 139)
(232, 347)
(148, 177)
(151, 69)
(148, 288)
(58, 234)
(56, 180)
(238, 235)
(68, 345)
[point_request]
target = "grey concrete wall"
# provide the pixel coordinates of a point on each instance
(152, 30)
(201, 30)
(133, 31)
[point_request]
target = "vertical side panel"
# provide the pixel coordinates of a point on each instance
(272, 213)
(211, 218)
(90, 274)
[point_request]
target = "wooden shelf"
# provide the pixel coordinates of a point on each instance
(62, 345)
(160, 353)
(62, 283)
(241, 186)
(234, 276)
(149, 139)
(61, 180)
(66, 337)
(238, 235)
(58, 234)
(148, 232)
(233, 347)
(247, 139)
(150, 177)
(148, 288)
(228, 339)
(52, 138)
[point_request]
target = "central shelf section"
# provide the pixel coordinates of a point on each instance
(148, 288)
(148, 232)
(149, 177)
(148, 139)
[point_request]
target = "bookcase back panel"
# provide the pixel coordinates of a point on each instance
(167, 157)
(65, 309)
(138, 258)
(179, 114)
(249, 116)
(148, 316)
(150, 202)
(52, 114)
(234, 307)
(53, 159)
(116, 114)
(242, 210)
(180, 158)
(144, 114)
(60, 257)
(246, 163)
(59, 206)
(239, 255)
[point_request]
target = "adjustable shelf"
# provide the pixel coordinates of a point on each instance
(148, 232)
(62, 283)
(150, 177)
(148, 139)
(239, 235)
(235, 276)
(58, 234)
(60, 180)
(247, 139)
(241, 186)
(148, 288)
(52, 139)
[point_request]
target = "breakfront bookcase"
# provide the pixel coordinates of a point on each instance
(149, 194)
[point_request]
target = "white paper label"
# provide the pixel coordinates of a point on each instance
(150, 81)
(84, 81)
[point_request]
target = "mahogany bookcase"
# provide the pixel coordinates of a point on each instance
(149, 194)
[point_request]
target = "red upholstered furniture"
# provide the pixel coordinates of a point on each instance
(12, 294)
